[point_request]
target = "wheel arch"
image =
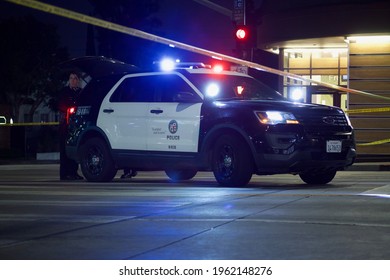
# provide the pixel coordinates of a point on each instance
(217, 131)
(92, 133)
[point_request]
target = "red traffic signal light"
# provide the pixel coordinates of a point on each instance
(244, 36)
(242, 33)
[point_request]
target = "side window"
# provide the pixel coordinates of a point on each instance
(172, 88)
(155, 88)
(135, 89)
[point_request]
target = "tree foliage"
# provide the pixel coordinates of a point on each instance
(136, 14)
(28, 50)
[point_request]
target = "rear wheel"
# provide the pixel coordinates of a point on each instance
(318, 178)
(181, 174)
(96, 162)
(232, 162)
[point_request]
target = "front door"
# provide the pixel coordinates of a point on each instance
(174, 116)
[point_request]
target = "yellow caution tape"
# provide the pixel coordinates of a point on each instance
(368, 110)
(379, 142)
(371, 110)
(29, 124)
(147, 36)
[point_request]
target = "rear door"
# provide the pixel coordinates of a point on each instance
(124, 114)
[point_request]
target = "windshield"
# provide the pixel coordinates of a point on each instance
(218, 87)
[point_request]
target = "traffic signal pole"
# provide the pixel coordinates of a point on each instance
(239, 14)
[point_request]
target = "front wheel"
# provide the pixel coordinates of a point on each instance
(318, 178)
(232, 162)
(181, 174)
(96, 162)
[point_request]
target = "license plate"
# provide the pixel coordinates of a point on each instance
(333, 146)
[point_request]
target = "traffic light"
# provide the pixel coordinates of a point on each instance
(242, 34)
(244, 37)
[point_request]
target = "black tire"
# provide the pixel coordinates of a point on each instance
(96, 162)
(318, 178)
(232, 162)
(181, 175)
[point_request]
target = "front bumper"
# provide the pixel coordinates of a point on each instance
(303, 161)
(299, 151)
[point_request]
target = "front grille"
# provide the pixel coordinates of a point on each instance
(322, 120)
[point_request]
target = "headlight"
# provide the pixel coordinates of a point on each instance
(276, 117)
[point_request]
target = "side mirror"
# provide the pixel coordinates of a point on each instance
(184, 97)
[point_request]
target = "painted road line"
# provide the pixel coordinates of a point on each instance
(383, 192)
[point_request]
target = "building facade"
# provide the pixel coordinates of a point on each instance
(340, 42)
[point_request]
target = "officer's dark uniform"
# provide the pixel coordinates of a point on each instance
(68, 167)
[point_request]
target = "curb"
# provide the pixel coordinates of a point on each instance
(369, 166)
(359, 166)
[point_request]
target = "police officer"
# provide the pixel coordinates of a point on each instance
(68, 97)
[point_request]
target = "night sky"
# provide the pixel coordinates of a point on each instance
(184, 21)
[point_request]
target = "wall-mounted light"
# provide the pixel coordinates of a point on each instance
(297, 94)
(368, 39)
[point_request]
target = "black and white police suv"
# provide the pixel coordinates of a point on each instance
(194, 119)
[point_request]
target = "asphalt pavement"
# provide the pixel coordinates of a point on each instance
(151, 218)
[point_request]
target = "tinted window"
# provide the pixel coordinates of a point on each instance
(135, 89)
(154, 88)
(94, 92)
(172, 88)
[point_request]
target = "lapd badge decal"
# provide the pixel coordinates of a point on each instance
(173, 126)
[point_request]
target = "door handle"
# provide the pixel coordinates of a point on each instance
(108, 111)
(156, 111)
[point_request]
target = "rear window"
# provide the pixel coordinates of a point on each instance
(94, 92)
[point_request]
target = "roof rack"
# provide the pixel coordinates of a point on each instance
(168, 65)
(192, 65)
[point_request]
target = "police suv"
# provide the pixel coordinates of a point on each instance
(194, 119)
